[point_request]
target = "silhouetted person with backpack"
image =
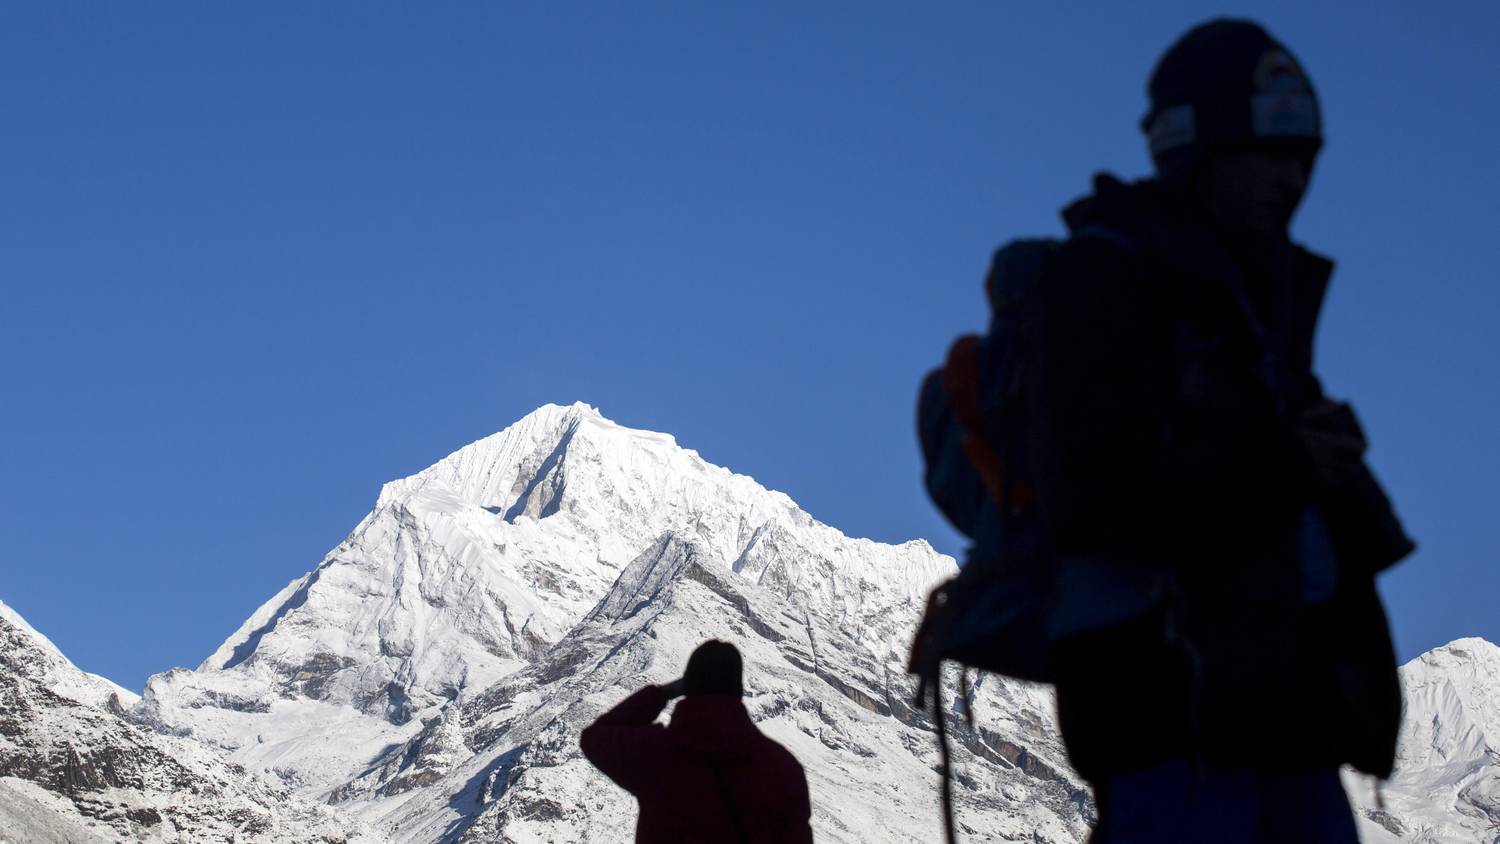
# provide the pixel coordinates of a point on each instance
(1187, 442)
(710, 775)
(1172, 523)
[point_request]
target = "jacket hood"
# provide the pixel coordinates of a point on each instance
(715, 726)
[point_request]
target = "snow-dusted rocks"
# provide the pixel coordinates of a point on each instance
(47, 666)
(71, 770)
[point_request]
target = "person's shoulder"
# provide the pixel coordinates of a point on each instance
(1093, 266)
(775, 754)
(1113, 218)
(1098, 247)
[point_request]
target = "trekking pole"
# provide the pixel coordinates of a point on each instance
(947, 759)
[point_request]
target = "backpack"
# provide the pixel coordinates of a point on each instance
(974, 418)
(977, 416)
(977, 419)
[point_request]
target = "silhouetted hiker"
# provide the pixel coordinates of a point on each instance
(709, 775)
(1172, 522)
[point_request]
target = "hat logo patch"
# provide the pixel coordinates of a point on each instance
(1284, 105)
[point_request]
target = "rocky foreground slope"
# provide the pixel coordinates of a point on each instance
(428, 679)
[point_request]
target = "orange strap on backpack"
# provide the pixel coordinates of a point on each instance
(960, 384)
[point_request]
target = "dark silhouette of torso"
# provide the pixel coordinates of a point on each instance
(708, 776)
(1177, 374)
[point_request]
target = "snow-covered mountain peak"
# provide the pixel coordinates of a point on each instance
(573, 473)
(484, 471)
(572, 463)
(1459, 685)
(1447, 781)
(1472, 655)
(53, 671)
(471, 569)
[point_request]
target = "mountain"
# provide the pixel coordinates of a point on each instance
(1447, 782)
(72, 770)
(428, 679)
(47, 667)
(432, 673)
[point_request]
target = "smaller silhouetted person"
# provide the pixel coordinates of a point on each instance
(710, 775)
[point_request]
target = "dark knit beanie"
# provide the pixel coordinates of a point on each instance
(714, 669)
(1229, 84)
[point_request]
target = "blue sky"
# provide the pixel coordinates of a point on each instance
(258, 260)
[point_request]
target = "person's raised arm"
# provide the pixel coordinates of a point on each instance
(625, 742)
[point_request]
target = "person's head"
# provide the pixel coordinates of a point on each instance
(714, 668)
(1235, 123)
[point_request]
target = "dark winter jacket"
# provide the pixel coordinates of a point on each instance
(1173, 439)
(709, 776)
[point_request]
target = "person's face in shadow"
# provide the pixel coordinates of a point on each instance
(1251, 194)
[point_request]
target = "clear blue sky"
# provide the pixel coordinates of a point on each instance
(259, 259)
